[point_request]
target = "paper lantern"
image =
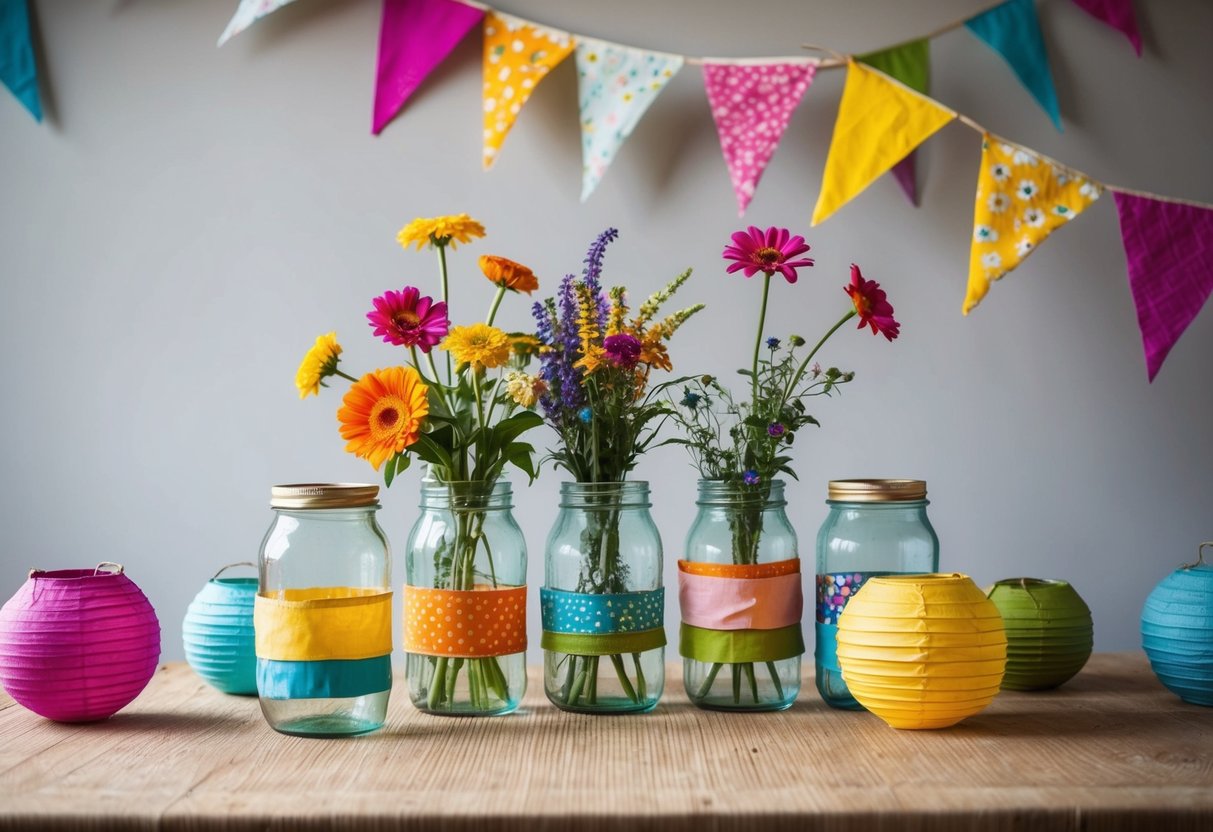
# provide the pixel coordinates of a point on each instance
(1049, 632)
(218, 633)
(922, 651)
(77, 645)
(1177, 631)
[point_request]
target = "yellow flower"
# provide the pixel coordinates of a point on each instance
(524, 345)
(509, 274)
(319, 363)
(381, 415)
(480, 345)
(440, 231)
(653, 351)
(523, 388)
(618, 311)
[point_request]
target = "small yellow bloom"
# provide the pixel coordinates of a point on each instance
(318, 363)
(524, 345)
(653, 350)
(507, 273)
(480, 345)
(440, 231)
(523, 388)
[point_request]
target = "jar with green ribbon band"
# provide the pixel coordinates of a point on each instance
(741, 599)
(323, 613)
(603, 601)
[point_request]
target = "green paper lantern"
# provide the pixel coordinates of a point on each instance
(1049, 631)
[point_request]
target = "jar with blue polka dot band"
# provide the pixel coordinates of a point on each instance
(603, 602)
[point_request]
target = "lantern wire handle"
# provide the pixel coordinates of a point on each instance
(117, 570)
(232, 566)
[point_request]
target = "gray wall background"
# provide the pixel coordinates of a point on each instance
(191, 218)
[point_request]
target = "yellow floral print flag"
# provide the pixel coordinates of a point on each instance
(517, 56)
(1021, 198)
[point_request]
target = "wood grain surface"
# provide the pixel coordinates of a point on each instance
(1112, 750)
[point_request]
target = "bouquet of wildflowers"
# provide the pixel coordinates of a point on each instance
(464, 416)
(596, 362)
(747, 441)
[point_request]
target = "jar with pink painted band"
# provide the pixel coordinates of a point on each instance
(741, 600)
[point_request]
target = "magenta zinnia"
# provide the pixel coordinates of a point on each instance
(407, 319)
(872, 305)
(622, 350)
(770, 251)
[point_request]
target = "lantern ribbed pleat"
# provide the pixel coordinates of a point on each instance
(77, 645)
(922, 651)
(1177, 633)
(1049, 632)
(218, 635)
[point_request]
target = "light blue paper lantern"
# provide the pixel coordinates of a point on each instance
(218, 633)
(1177, 631)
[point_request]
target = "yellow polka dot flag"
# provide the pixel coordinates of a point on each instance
(879, 122)
(517, 56)
(1021, 198)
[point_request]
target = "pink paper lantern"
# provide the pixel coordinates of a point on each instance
(77, 645)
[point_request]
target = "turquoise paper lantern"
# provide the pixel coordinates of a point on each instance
(218, 633)
(1177, 631)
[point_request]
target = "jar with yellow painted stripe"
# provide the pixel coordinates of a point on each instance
(323, 613)
(465, 601)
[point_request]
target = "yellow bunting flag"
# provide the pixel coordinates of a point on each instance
(879, 122)
(1021, 198)
(517, 56)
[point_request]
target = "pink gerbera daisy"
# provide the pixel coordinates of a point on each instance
(407, 319)
(872, 305)
(770, 251)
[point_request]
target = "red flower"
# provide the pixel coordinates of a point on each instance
(770, 251)
(872, 305)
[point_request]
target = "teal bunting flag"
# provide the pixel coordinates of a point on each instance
(1013, 31)
(909, 63)
(18, 70)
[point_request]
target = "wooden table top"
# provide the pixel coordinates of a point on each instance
(1110, 750)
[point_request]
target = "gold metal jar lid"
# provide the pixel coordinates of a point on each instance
(316, 495)
(877, 491)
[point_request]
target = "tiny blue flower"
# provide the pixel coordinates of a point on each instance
(772, 343)
(750, 477)
(691, 400)
(585, 415)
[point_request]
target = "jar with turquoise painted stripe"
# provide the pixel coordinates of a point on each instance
(603, 602)
(739, 590)
(875, 527)
(323, 613)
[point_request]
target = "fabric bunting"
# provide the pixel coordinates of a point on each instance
(414, 37)
(1021, 198)
(1013, 31)
(1169, 252)
(18, 70)
(248, 13)
(517, 56)
(879, 123)
(1118, 14)
(752, 105)
(909, 63)
(615, 86)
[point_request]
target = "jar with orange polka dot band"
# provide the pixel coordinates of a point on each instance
(465, 601)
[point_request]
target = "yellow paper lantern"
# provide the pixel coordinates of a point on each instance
(922, 651)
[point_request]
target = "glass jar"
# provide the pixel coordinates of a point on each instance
(746, 615)
(323, 612)
(875, 527)
(465, 601)
(603, 603)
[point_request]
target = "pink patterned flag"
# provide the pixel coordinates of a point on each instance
(414, 37)
(752, 104)
(1169, 252)
(1118, 14)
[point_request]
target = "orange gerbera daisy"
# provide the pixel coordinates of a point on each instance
(382, 413)
(509, 274)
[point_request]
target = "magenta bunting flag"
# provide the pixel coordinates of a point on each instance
(752, 104)
(1169, 251)
(414, 37)
(1118, 14)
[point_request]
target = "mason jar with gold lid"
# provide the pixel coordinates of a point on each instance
(875, 527)
(323, 612)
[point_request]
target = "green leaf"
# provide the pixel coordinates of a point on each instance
(429, 448)
(394, 466)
